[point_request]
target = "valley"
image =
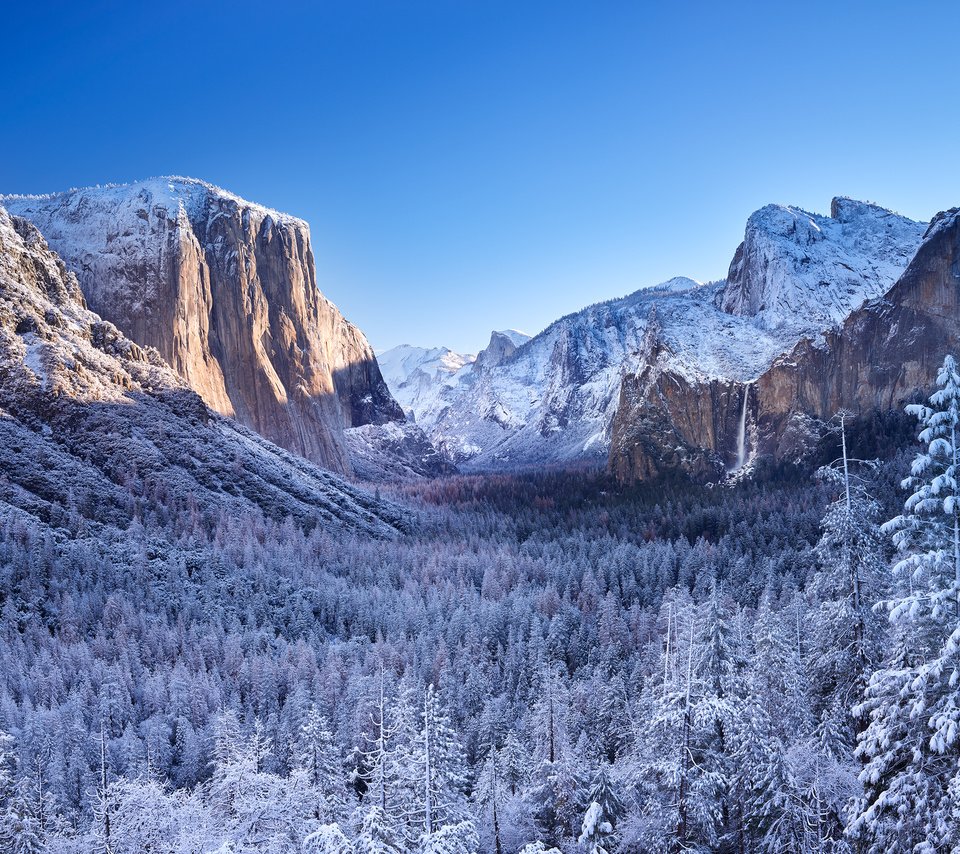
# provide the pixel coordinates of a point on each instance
(267, 591)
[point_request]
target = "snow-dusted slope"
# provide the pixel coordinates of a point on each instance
(799, 271)
(90, 420)
(553, 398)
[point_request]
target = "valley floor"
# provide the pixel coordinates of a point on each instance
(542, 661)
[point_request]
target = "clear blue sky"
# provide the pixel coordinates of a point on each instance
(475, 165)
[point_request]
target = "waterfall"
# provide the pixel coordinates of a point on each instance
(742, 434)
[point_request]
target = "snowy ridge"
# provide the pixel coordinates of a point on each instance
(411, 373)
(108, 233)
(553, 399)
(172, 192)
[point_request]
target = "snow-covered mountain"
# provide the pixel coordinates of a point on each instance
(882, 354)
(804, 272)
(226, 291)
(91, 420)
(412, 373)
(552, 399)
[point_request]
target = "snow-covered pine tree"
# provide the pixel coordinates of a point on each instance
(674, 765)
(490, 796)
(457, 838)
(327, 839)
(142, 816)
(846, 633)
(439, 756)
(379, 759)
(598, 833)
(376, 836)
(556, 795)
(319, 758)
(912, 705)
(537, 848)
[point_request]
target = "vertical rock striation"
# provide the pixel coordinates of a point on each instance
(883, 354)
(226, 291)
(95, 427)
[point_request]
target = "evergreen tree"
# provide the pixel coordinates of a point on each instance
(376, 836)
(327, 839)
(439, 756)
(598, 832)
(847, 634)
(912, 705)
(319, 757)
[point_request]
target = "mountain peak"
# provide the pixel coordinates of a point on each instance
(799, 270)
(515, 336)
(503, 344)
(846, 209)
(677, 284)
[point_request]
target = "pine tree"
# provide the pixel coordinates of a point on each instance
(847, 635)
(912, 705)
(537, 848)
(490, 795)
(599, 829)
(457, 838)
(439, 756)
(380, 759)
(327, 839)
(318, 756)
(376, 837)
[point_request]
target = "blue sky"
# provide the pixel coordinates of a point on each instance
(467, 165)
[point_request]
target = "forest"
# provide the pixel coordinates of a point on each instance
(544, 662)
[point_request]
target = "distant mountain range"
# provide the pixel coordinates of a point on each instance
(588, 387)
(816, 312)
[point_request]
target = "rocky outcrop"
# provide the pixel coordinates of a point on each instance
(667, 422)
(502, 346)
(883, 354)
(226, 291)
(95, 428)
(797, 270)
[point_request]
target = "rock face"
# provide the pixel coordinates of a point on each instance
(883, 353)
(92, 423)
(881, 356)
(805, 272)
(501, 348)
(655, 381)
(226, 291)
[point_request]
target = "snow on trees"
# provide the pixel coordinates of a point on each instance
(909, 747)
(598, 832)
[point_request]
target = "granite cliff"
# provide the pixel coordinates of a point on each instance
(96, 428)
(226, 292)
(881, 354)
